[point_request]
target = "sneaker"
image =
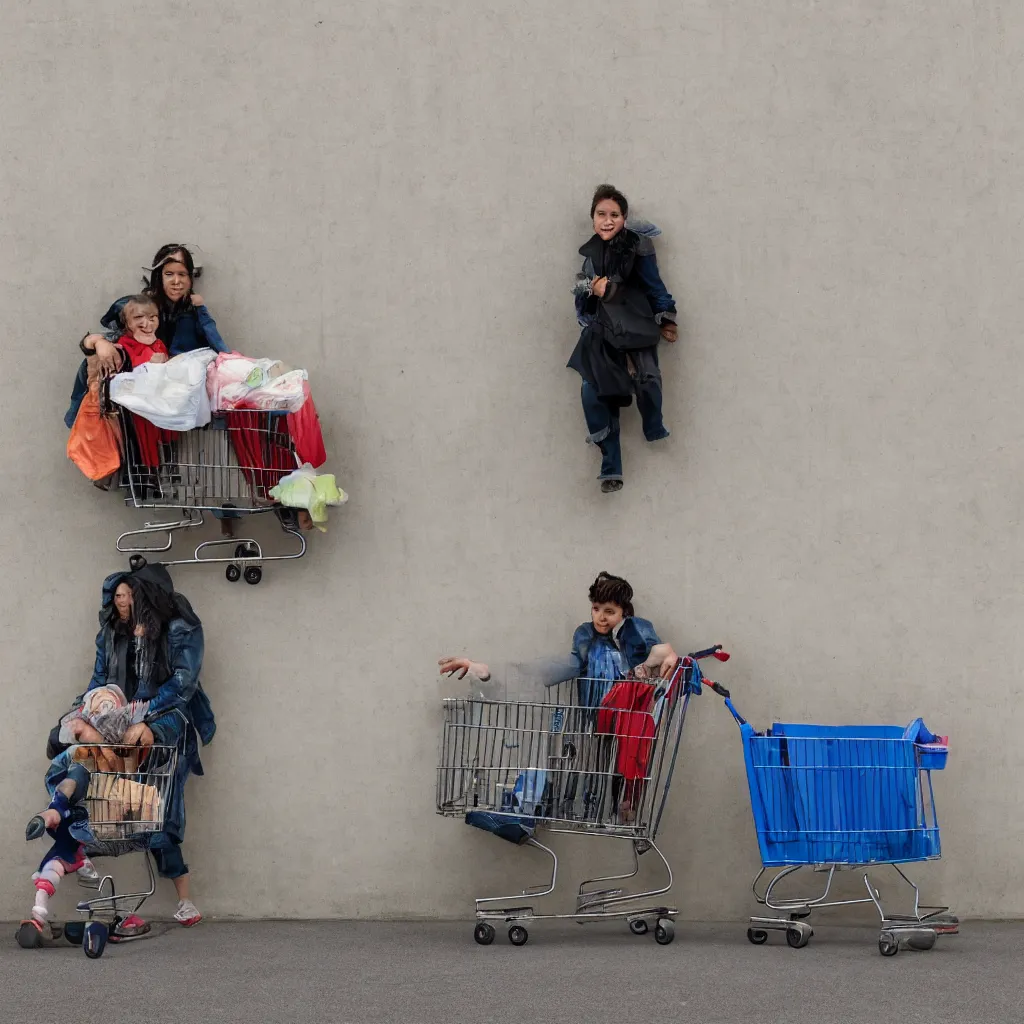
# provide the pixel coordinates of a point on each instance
(88, 876)
(187, 915)
(132, 927)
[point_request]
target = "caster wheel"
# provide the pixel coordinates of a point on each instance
(247, 551)
(758, 936)
(664, 931)
(887, 944)
(483, 933)
(518, 935)
(797, 937)
(232, 574)
(638, 927)
(94, 940)
(28, 935)
(922, 940)
(74, 931)
(136, 562)
(253, 574)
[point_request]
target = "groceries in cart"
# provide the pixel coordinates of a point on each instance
(235, 381)
(829, 798)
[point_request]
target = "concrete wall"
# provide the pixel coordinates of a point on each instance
(391, 194)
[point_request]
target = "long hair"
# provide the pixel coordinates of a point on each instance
(171, 253)
(152, 608)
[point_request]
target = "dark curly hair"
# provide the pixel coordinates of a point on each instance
(608, 589)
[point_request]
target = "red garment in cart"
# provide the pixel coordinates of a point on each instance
(304, 426)
(263, 448)
(147, 436)
(625, 712)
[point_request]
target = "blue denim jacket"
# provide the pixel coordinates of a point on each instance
(636, 640)
(194, 329)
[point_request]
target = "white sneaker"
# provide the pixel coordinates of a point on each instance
(187, 915)
(88, 876)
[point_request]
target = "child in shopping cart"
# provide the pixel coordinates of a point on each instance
(614, 644)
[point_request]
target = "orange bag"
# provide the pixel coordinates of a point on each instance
(95, 442)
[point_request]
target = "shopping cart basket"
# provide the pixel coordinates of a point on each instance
(126, 809)
(594, 758)
(226, 468)
(844, 797)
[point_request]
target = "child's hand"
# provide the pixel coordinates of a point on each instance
(197, 299)
(669, 331)
(599, 286)
(159, 357)
(449, 666)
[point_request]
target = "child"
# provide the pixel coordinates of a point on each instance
(624, 309)
(139, 344)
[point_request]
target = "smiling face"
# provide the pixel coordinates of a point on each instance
(605, 616)
(608, 219)
(141, 322)
(175, 280)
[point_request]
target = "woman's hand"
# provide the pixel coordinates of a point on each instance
(669, 331)
(197, 299)
(661, 661)
(108, 354)
(449, 666)
(139, 735)
(84, 732)
(599, 286)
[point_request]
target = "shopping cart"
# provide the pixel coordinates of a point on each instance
(126, 808)
(833, 798)
(594, 758)
(226, 468)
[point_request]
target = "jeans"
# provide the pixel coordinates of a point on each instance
(603, 419)
(167, 854)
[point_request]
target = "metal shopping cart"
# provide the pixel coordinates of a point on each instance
(594, 758)
(831, 798)
(126, 808)
(226, 468)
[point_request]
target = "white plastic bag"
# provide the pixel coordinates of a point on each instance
(170, 395)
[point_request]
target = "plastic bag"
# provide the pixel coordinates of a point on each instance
(94, 444)
(170, 395)
(235, 381)
(304, 489)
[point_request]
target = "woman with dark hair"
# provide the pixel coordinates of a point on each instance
(185, 322)
(150, 645)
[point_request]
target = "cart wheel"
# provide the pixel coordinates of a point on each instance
(136, 562)
(797, 937)
(664, 931)
(94, 940)
(887, 944)
(74, 931)
(253, 574)
(758, 936)
(232, 574)
(518, 935)
(638, 927)
(922, 940)
(484, 933)
(28, 935)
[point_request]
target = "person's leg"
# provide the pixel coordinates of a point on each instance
(603, 430)
(647, 381)
(171, 864)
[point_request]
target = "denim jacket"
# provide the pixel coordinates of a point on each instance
(195, 328)
(636, 640)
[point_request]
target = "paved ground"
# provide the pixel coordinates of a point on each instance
(419, 973)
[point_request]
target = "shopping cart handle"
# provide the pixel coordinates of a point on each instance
(718, 688)
(709, 652)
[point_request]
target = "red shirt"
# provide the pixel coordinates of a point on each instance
(137, 352)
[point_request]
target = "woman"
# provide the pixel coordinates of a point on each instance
(150, 644)
(185, 322)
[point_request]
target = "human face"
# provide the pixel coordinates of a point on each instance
(141, 323)
(123, 601)
(605, 616)
(608, 219)
(176, 282)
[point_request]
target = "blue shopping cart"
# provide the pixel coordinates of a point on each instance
(830, 798)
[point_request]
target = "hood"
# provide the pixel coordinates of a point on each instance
(155, 582)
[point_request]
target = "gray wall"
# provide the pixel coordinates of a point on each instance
(392, 194)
